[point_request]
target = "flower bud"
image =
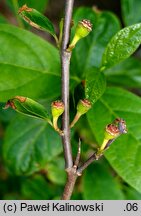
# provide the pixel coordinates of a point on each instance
(83, 28)
(112, 131)
(82, 107)
(57, 108)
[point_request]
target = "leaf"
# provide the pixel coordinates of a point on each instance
(29, 66)
(124, 153)
(39, 5)
(29, 144)
(98, 184)
(88, 52)
(28, 107)
(6, 116)
(37, 20)
(131, 12)
(2, 19)
(56, 171)
(95, 85)
(37, 188)
(126, 74)
(132, 194)
(122, 45)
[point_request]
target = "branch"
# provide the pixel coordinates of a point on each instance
(76, 163)
(69, 187)
(91, 159)
(65, 63)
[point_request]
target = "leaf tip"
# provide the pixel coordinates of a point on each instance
(9, 104)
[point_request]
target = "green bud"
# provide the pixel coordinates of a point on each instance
(83, 28)
(57, 108)
(83, 106)
(113, 131)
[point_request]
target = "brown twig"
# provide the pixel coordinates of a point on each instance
(72, 176)
(90, 160)
(69, 187)
(65, 62)
(72, 170)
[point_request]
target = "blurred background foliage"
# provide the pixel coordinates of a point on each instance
(40, 175)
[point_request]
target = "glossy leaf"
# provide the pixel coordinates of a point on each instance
(36, 19)
(39, 5)
(95, 85)
(131, 11)
(56, 171)
(124, 153)
(88, 52)
(28, 107)
(29, 145)
(98, 184)
(126, 74)
(122, 45)
(30, 68)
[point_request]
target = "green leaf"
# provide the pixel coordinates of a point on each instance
(28, 107)
(98, 184)
(56, 171)
(122, 45)
(131, 11)
(88, 52)
(126, 74)
(39, 5)
(29, 144)
(132, 194)
(29, 65)
(124, 153)
(3, 19)
(37, 20)
(37, 188)
(6, 116)
(95, 85)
